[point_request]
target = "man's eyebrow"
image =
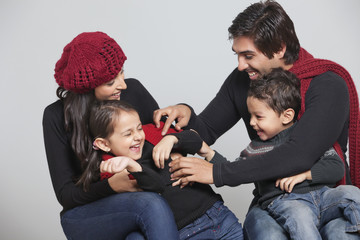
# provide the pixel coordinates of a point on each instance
(244, 52)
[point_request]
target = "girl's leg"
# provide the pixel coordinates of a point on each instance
(218, 222)
(259, 225)
(116, 216)
(341, 202)
(335, 230)
(297, 214)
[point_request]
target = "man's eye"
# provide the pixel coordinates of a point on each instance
(248, 57)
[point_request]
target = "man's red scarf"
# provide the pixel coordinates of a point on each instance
(306, 68)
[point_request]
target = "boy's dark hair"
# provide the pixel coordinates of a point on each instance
(280, 90)
(269, 26)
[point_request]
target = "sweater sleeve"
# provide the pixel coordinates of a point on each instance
(323, 122)
(225, 110)
(329, 169)
(149, 180)
(188, 142)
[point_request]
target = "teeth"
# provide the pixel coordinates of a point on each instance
(252, 74)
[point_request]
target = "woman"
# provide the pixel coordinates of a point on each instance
(91, 68)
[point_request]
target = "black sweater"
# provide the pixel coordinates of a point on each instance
(62, 162)
(188, 203)
(324, 122)
(326, 171)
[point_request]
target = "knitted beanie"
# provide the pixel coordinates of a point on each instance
(89, 60)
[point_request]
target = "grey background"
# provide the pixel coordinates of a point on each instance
(178, 49)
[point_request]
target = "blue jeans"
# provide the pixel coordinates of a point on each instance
(303, 215)
(120, 215)
(259, 225)
(218, 222)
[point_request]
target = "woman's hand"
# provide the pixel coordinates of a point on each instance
(162, 150)
(287, 184)
(181, 113)
(120, 182)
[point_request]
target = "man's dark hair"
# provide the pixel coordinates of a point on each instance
(280, 90)
(269, 26)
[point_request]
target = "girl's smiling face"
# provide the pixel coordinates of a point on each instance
(128, 136)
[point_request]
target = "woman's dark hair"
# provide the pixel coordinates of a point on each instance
(269, 26)
(280, 90)
(76, 115)
(102, 118)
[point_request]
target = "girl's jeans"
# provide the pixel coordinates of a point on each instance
(303, 215)
(116, 216)
(218, 222)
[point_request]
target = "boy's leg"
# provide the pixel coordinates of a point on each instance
(259, 225)
(297, 214)
(217, 223)
(342, 201)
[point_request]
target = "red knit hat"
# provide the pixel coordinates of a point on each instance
(89, 60)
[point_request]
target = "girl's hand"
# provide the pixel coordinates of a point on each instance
(287, 184)
(162, 150)
(118, 164)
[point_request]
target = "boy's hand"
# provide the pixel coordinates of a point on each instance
(287, 184)
(162, 150)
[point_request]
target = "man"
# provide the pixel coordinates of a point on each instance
(264, 38)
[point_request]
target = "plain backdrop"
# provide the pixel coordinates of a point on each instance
(179, 50)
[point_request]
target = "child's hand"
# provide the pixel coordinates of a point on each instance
(206, 152)
(287, 184)
(118, 164)
(162, 150)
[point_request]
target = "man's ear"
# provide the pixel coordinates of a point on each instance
(280, 54)
(102, 144)
(288, 116)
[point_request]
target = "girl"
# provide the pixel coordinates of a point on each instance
(119, 135)
(91, 68)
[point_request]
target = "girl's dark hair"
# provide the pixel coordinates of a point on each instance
(280, 90)
(269, 26)
(102, 118)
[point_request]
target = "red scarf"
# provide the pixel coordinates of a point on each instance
(152, 135)
(306, 68)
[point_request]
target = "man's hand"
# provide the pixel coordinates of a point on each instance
(191, 169)
(181, 113)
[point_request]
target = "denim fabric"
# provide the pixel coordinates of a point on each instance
(217, 223)
(303, 215)
(259, 225)
(117, 216)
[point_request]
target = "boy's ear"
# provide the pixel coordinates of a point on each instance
(102, 143)
(288, 116)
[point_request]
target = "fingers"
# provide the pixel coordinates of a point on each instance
(158, 114)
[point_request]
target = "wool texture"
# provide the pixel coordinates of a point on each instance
(306, 68)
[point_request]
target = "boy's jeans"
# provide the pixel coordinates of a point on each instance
(302, 215)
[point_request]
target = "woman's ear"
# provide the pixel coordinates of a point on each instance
(288, 116)
(102, 144)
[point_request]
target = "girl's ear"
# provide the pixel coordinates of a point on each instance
(102, 144)
(288, 116)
